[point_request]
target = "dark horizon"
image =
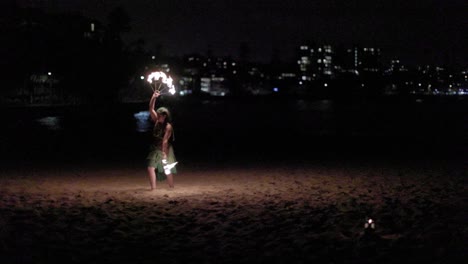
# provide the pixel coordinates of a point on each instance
(416, 34)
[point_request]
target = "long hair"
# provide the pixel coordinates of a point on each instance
(165, 112)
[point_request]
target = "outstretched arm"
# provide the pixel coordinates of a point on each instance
(152, 103)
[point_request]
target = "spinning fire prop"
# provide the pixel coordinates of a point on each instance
(168, 166)
(158, 79)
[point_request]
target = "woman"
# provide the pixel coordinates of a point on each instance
(161, 152)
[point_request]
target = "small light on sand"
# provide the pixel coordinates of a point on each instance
(369, 224)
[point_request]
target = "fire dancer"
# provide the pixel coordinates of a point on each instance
(161, 159)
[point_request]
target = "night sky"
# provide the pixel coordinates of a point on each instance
(428, 31)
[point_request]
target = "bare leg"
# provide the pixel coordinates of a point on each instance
(152, 177)
(170, 181)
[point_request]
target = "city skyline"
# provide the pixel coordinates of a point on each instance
(406, 30)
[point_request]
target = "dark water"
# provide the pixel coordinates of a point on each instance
(222, 130)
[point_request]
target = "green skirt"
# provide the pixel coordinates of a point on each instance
(154, 160)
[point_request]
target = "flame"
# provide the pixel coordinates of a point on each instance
(168, 166)
(162, 77)
(172, 90)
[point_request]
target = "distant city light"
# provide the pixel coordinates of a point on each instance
(153, 57)
(142, 77)
(49, 73)
(50, 122)
(275, 89)
(185, 92)
(325, 84)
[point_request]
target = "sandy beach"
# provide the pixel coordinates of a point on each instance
(236, 213)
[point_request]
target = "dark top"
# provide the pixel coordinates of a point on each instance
(158, 135)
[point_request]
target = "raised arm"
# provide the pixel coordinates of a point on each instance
(152, 103)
